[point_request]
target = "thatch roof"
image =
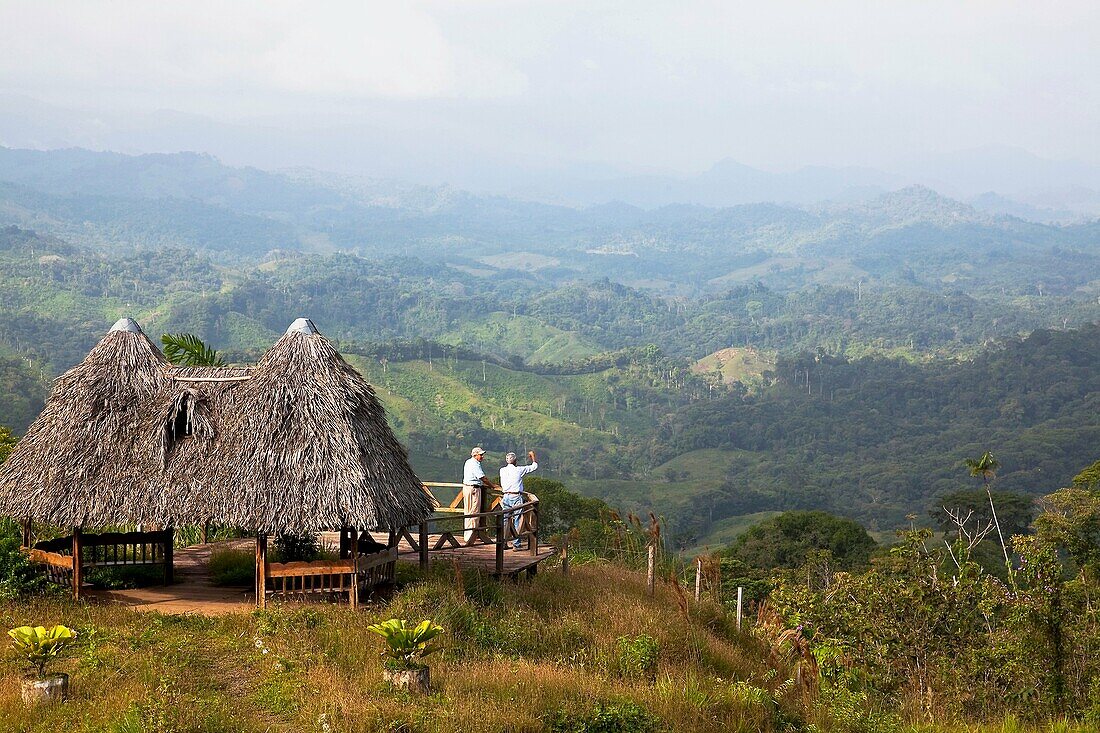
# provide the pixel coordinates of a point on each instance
(297, 443)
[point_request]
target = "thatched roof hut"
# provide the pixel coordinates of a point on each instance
(297, 443)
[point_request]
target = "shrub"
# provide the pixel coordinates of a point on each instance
(623, 716)
(232, 567)
(118, 578)
(636, 656)
(18, 577)
(297, 548)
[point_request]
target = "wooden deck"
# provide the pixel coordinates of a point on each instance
(474, 557)
(192, 593)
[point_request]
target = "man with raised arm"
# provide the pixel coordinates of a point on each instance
(511, 484)
(473, 481)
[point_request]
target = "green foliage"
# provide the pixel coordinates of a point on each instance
(786, 541)
(984, 467)
(295, 548)
(922, 619)
(1071, 520)
(230, 567)
(39, 646)
(186, 349)
(561, 509)
(407, 645)
(7, 443)
(622, 716)
(1088, 478)
(116, 578)
(1015, 511)
(18, 577)
(637, 656)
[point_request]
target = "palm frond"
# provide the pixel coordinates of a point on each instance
(187, 349)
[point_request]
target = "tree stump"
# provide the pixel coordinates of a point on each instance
(417, 681)
(38, 690)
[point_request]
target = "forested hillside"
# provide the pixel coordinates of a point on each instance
(886, 339)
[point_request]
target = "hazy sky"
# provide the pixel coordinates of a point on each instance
(674, 85)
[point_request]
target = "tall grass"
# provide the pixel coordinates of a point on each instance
(546, 654)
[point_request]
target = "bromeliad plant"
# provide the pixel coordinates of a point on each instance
(406, 645)
(39, 646)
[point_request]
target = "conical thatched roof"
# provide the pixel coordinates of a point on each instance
(298, 443)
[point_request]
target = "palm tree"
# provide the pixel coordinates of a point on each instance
(986, 467)
(186, 349)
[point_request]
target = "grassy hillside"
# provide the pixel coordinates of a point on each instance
(542, 655)
(746, 365)
(504, 334)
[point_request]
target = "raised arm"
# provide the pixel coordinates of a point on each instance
(533, 466)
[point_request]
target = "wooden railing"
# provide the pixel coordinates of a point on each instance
(66, 558)
(445, 504)
(423, 540)
(350, 574)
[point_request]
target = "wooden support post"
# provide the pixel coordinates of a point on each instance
(698, 579)
(533, 538)
(353, 547)
(345, 543)
(28, 534)
(498, 519)
(261, 570)
(169, 554)
(651, 571)
(78, 570)
(424, 545)
(206, 532)
(739, 589)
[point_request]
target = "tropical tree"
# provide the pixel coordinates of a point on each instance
(186, 349)
(985, 467)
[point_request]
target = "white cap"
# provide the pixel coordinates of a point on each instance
(126, 324)
(477, 451)
(302, 325)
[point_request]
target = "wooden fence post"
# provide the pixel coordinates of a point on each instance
(423, 545)
(78, 570)
(353, 593)
(651, 573)
(533, 538)
(169, 554)
(698, 579)
(498, 520)
(739, 589)
(206, 532)
(565, 556)
(261, 570)
(27, 532)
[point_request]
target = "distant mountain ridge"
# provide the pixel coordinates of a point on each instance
(912, 235)
(1043, 190)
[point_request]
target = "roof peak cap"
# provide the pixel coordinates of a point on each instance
(302, 325)
(127, 324)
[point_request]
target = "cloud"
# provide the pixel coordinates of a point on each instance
(338, 50)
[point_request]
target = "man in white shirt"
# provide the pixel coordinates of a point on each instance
(511, 484)
(473, 481)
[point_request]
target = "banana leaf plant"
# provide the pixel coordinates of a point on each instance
(39, 646)
(187, 349)
(406, 645)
